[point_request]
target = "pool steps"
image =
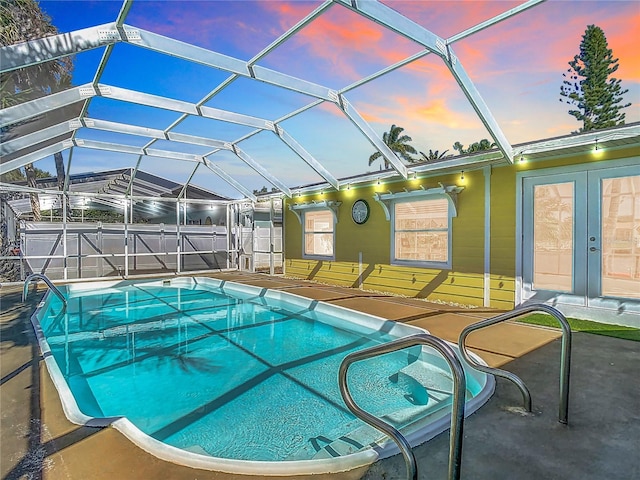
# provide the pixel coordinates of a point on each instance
(429, 389)
(425, 383)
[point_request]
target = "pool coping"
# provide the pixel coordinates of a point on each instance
(416, 434)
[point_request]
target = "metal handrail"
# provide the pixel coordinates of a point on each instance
(45, 279)
(457, 415)
(565, 355)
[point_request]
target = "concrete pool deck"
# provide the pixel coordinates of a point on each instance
(602, 439)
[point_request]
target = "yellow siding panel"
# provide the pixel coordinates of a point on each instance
(502, 295)
(501, 305)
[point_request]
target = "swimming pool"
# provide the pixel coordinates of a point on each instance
(239, 379)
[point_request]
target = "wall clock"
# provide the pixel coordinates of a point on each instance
(360, 211)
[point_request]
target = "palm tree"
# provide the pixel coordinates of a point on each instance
(480, 146)
(398, 144)
(433, 155)
(31, 82)
(459, 147)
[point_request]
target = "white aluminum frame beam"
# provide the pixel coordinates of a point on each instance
(109, 34)
(26, 110)
(25, 141)
(389, 18)
(230, 180)
(396, 22)
(97, 145)
(368, 132)
(48, 48)
(478, 104)
(38, 106)
(307, 157)
(56, 46)
(261, 170)
(493, 20)
(32, 157)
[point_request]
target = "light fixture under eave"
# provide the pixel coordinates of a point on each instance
(462, 176)
(378, 182)
(596, 144)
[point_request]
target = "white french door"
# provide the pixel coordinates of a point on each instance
(581, 240)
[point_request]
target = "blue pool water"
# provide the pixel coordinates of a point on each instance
(231, 372)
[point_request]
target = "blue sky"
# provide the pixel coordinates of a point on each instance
(516, 65)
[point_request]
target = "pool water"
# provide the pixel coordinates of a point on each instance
(232, 373)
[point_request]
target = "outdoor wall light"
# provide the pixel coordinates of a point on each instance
(462, 176)
(378, 182)
(348, 186)
(596, 144)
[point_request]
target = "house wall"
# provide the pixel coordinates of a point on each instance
(465, 282)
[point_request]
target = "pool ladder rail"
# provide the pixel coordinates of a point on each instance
(45, 279)
(565, 354)
(457, 415)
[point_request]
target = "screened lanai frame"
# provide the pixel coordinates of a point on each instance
(62, 136)
(110, 34)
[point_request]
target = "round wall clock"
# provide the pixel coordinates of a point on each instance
(360, 211)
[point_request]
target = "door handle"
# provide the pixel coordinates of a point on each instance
(593, 249)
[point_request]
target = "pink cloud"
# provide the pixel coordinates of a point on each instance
(448, 18)
(232, 28)
(342, 43)
(546, 37)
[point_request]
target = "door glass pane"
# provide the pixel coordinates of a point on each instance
(621, 237)
(553, 237)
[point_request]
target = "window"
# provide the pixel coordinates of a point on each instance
(421, 231)
(319, 233)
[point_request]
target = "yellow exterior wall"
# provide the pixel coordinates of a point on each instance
(464, 283)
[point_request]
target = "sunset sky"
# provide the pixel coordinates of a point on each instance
(516, 65)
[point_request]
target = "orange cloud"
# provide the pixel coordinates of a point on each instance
(623, 40)
(433, 111)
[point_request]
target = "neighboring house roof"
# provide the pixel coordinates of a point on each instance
(100, 187)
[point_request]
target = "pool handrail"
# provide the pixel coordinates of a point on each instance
(565, 354)
(45, 279)
(457, 414)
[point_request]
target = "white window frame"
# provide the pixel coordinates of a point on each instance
(447, 192)
(421, 263)
(305, 233)
(301, 209)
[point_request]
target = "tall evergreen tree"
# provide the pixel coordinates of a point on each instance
(589, 87)
(21, 21)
